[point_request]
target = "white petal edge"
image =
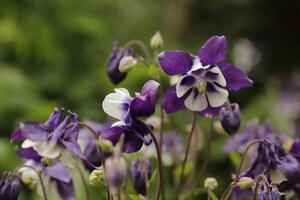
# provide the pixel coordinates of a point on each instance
(220, 78)
(47, 149)
(182, 89)
(218, 97)
(113, 103)
(196, 104)
(28, 143)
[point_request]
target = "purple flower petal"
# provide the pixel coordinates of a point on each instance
(175, 62)
(34, 131)
(143, 104)
(132, 143)
(65, 190)
(29, 153)
(210, 111)
(236, 78)
(171, 103)
(54, 118)
(59, 172)
(17, 136)
(214, 50)
(113, 134)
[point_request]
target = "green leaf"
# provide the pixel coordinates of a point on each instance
(235, 158)
(188, 168)
(212, 195)
(199, 191)
(136, 197)
(153, 177)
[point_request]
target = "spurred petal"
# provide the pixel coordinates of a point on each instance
(33, 131)
(17, 136)
(132, 143)
(59, 172)
(214, 50)
(65, 190)
(171, 103)
(236, 78)
(184, 85)
(175, 62)
(217, 97)
(196, 101)
(143, 104)
(54, 119)
(210, 111)
(113, 134)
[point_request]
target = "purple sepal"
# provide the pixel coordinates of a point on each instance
(59, 172)
(29, 153)
(66, 190)
(171, 103)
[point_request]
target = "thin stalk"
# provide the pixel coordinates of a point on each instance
(100, 152)
(187, 149)
(85, 186)
(229, 191)
(142, 46)
(40, 179)
(160, 180)
(146, 181)
(256, 188)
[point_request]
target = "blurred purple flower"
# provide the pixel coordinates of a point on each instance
(204, 78)
(230, 117)
(10, 186)
(116, 55)
(140, 167)
(122, 106)
(52, 139)
(268, 192)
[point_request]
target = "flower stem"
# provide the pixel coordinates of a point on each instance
(160, 180)
(100, 152)
(40, 179)
(143, 47)
(146, 181)
(187, 149)
(85, 186)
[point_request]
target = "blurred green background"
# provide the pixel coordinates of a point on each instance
(54, 53)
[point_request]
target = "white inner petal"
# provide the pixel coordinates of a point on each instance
(119, 123)
(47, 149)
(113, 103)
(28, 143)
(67, 158)
(182, 89)
(217, 98)
(220, 78)
(196, 104)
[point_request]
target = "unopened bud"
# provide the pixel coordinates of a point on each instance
(10, 186)
(156, 41)
(210, 183)
(140, 168)
(96, 177)
(230, 118)
(116, 172)
(246, 183)
(127, 63)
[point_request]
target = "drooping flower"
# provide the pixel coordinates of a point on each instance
(89, 145)
(52, 172)
(120, 105)
(268, 192)
(204, 79)
(253, 131)
(230, 117)
(114, 60)
(116, 172)
(55, 138)
(140, 168)
(10, 186)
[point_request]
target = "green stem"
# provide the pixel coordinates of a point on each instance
(160, 180)
(85, 186)
(187, 150)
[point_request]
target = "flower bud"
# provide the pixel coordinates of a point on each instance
(96, 177)
(140, 168)
(246, 183)
(210, 183)
(156, 41)
(126, 64)
(10, 186)
(268, 193)
(230, 118)
(116, 172)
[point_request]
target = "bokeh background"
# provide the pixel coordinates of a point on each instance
(54, 53)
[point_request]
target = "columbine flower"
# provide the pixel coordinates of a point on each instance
(116, 172)
(253, 131)
(268, 192)
(140, 168)
(230, 117)
(55, 138)
(122, 106)
(89, 145)
(114, 60)
(53, 172)
(10, 186)
(204, 79)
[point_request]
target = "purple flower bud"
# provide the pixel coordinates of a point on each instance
(10, 186)
(268, 193)
(140, 168)
(230, 118)
(116, 55)
(116, 172)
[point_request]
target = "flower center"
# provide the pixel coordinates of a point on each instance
(201, 86)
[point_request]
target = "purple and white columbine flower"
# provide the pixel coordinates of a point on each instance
(120, 105)
(204, 79)
(55, 138)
